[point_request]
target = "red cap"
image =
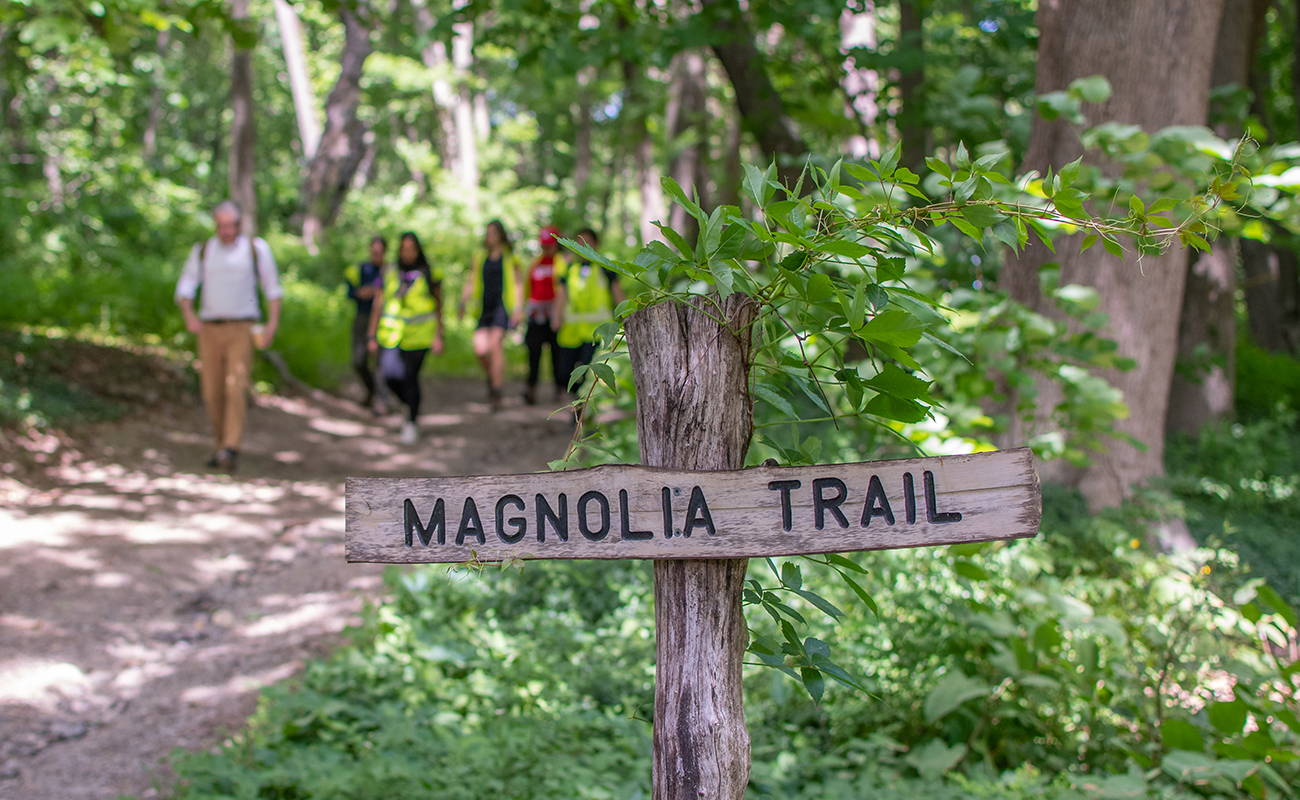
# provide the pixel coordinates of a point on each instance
(549, 235)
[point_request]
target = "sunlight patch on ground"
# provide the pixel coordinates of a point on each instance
(34, 680)
(239, 684)
(332, 609)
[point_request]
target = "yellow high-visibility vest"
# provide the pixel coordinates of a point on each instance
(588, 303)
(407, 322)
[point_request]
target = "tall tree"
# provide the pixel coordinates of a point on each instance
(639, 138)
(304, 99)
(911, 83)
(330, 172)
(242, 129)
(687, 123)
(1157, 57)
(761, 106)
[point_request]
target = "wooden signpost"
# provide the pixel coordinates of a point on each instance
(644, 512)
(699, 517)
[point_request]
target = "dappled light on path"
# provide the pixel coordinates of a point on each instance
(144, 601)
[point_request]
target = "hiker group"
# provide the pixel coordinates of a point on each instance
(558, 301)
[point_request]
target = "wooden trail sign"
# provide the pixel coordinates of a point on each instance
(624, 511)
(699, 516)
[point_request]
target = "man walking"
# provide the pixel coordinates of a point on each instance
(229, 267)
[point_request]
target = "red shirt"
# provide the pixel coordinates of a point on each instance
(541, 279)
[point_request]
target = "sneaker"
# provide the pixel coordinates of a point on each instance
(379, 408)
(494, 398)
(227, 459)
(410, 435)
(214, 461)
(530, 395)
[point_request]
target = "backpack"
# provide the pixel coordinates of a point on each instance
(257, 272)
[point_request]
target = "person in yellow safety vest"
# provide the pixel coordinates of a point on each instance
(365, 281)
(410, 326)
(585, 299)
(496, 279)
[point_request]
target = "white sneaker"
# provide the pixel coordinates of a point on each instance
(409, 433)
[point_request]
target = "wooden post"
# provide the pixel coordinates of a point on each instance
(691, 363)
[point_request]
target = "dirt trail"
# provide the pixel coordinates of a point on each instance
(144, 602)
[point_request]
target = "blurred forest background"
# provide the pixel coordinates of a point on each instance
(1145, 645)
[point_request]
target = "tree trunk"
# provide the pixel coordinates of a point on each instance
(1268, 270)
(911, 85)
(304, 99)
(581, 111)
(1154, 54)
(1201, 388)
(434, 56)
(329, 175)
(150, 138)
(638, 134)
(694, 412)
(861, 86)
(686, 120)
(242, 133)
(760, 105)
(462, 60)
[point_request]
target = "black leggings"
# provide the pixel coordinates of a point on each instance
(569, 358)
(361, 354)
(538, 334)
(407, 387)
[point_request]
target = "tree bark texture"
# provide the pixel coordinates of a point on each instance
(1202, 385)
(462, 60)
(242, 128)
(152, 121)
(1270, 286)
(330, 172)
(304, 98)
(1201, 390)
(1155, 55)
(911, 85)
(687, 121)
(694, 412)
(760, 104)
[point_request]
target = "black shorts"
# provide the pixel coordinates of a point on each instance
(494, 318)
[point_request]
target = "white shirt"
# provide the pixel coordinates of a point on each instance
(227, 276)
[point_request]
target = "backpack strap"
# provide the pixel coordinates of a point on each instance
(252, 246)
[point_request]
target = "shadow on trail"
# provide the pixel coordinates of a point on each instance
(143, 601)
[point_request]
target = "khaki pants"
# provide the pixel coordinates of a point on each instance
(226, 350)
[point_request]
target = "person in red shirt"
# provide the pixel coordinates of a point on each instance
(541, 299)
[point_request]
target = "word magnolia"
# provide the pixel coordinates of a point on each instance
(643, 512)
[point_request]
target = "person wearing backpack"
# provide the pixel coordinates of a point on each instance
(365, 282)
(229, 267)
(585, 298)
(409, 327)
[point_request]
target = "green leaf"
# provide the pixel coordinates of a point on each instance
(862, 595)
(677, 240)
(1180, 734)
(953, 690)
(791, 575)
(894, 408)
(1088, 242)
(1228, 718)
(757, 184)
(820, 288)
(935, 758)
(824, 605)
(840, 561)
(605, 374)
(940, 167)
(877, 296)
(844, 247)
(679, 197)
(890, 269)
(972, 571)
(1112, 247)
(982, 216)
(732, 244)
(813, 682)
(894, 381)
(1070, 172)
(1093, 89)
(895, 327)
(770, 395)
